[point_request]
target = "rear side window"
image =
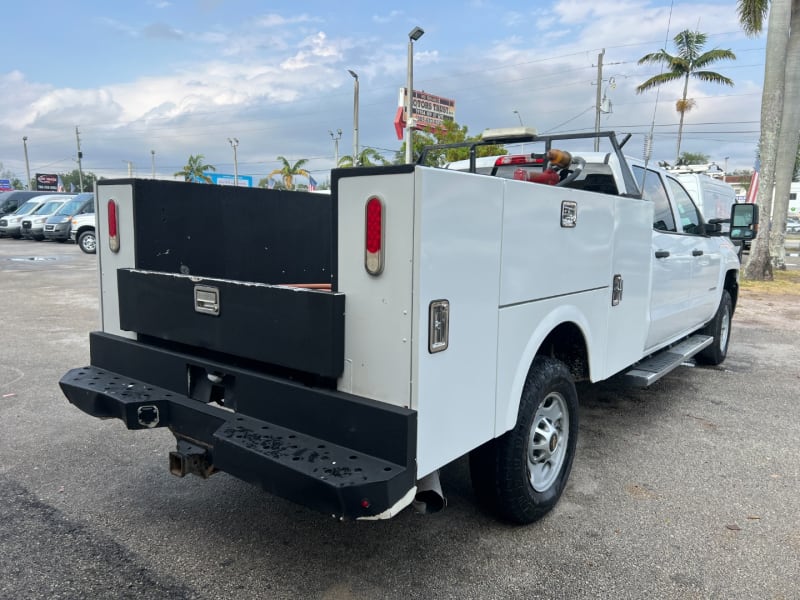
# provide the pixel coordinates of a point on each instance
(687, 211)
(653, 190)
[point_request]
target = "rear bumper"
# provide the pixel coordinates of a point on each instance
(340, 454)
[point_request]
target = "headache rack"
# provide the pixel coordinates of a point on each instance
(524, 135)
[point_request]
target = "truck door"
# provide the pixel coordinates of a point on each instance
(706, 256)
(671, 261)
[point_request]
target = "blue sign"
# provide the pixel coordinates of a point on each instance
(5, 185)
(229, 179)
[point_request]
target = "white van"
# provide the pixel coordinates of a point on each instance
(713, 197)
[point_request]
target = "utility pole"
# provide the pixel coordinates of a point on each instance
(27, 164)
(80, 157)
(336, 139)
(599, 99)
(153, 156)
(130, 167)
(234, 142)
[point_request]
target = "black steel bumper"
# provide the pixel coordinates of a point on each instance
(340, 454)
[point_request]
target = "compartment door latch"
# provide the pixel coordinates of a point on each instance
(206, 299)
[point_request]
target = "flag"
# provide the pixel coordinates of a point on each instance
(312, 184)
(60, 186)
(71, 187)
(752, 191)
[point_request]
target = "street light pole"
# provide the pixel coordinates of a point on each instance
(355, 116)
(153, 156)
(336, 139)
(516, 112)
(234, 142)
(413, 36)
(27, 164)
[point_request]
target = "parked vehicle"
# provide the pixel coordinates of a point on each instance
(713, 197)
(473, 305)
(11, 201)
(58, 226)
(32, 226)
(11, 225)
(83, 229)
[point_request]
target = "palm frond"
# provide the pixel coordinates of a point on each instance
(660, 57)
(660, 79)
(712, 77)
(689, 43)
(713, 56)
(752, 14)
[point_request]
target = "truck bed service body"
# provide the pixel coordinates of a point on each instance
(339, 350)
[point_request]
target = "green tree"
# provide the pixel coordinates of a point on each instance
(368, 157)
(693, 158)
(15, 182)
(195, 169)
(451, 133)
(780, 125)
(690, 61)
(72, 181)
(289, 171)
(273, 184)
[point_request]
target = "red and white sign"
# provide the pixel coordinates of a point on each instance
(427, 110)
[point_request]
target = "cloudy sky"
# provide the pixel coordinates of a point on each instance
(180, 77)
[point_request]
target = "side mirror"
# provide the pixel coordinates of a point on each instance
(714, 226)
(744, 221)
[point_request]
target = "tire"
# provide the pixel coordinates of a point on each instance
(520, 475)
(38, 238)
(720, 329)
(87, 242)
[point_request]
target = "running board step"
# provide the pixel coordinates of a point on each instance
(650, 370)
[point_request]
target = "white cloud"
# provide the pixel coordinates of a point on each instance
(383, 19)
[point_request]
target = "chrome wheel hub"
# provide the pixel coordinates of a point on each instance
(547, 443)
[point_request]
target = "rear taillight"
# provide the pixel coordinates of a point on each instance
(113, 225)
(374, 242)
(518, 159)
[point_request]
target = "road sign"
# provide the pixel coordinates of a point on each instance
(427, 110)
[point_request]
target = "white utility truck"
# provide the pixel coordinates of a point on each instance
(339, 350)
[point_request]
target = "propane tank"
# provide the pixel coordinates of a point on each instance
(560, 159)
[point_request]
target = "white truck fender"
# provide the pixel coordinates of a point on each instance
(508, 399)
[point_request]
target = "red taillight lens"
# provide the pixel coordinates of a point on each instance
(113, 224)
(373, 248)
(518, 159)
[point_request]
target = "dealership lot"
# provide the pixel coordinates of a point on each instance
(688, 489)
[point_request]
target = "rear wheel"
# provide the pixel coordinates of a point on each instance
(720, 329)
(87, 242)
(521, 474)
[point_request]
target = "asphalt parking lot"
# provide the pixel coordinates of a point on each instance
(689, 489)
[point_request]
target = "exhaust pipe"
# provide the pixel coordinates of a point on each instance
(429, 498)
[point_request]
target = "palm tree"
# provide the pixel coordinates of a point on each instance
(195, 169)
(289, 171)
(780, 124)
(689, 62)
(368, 157)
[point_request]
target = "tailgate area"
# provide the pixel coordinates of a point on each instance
(334, 452)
